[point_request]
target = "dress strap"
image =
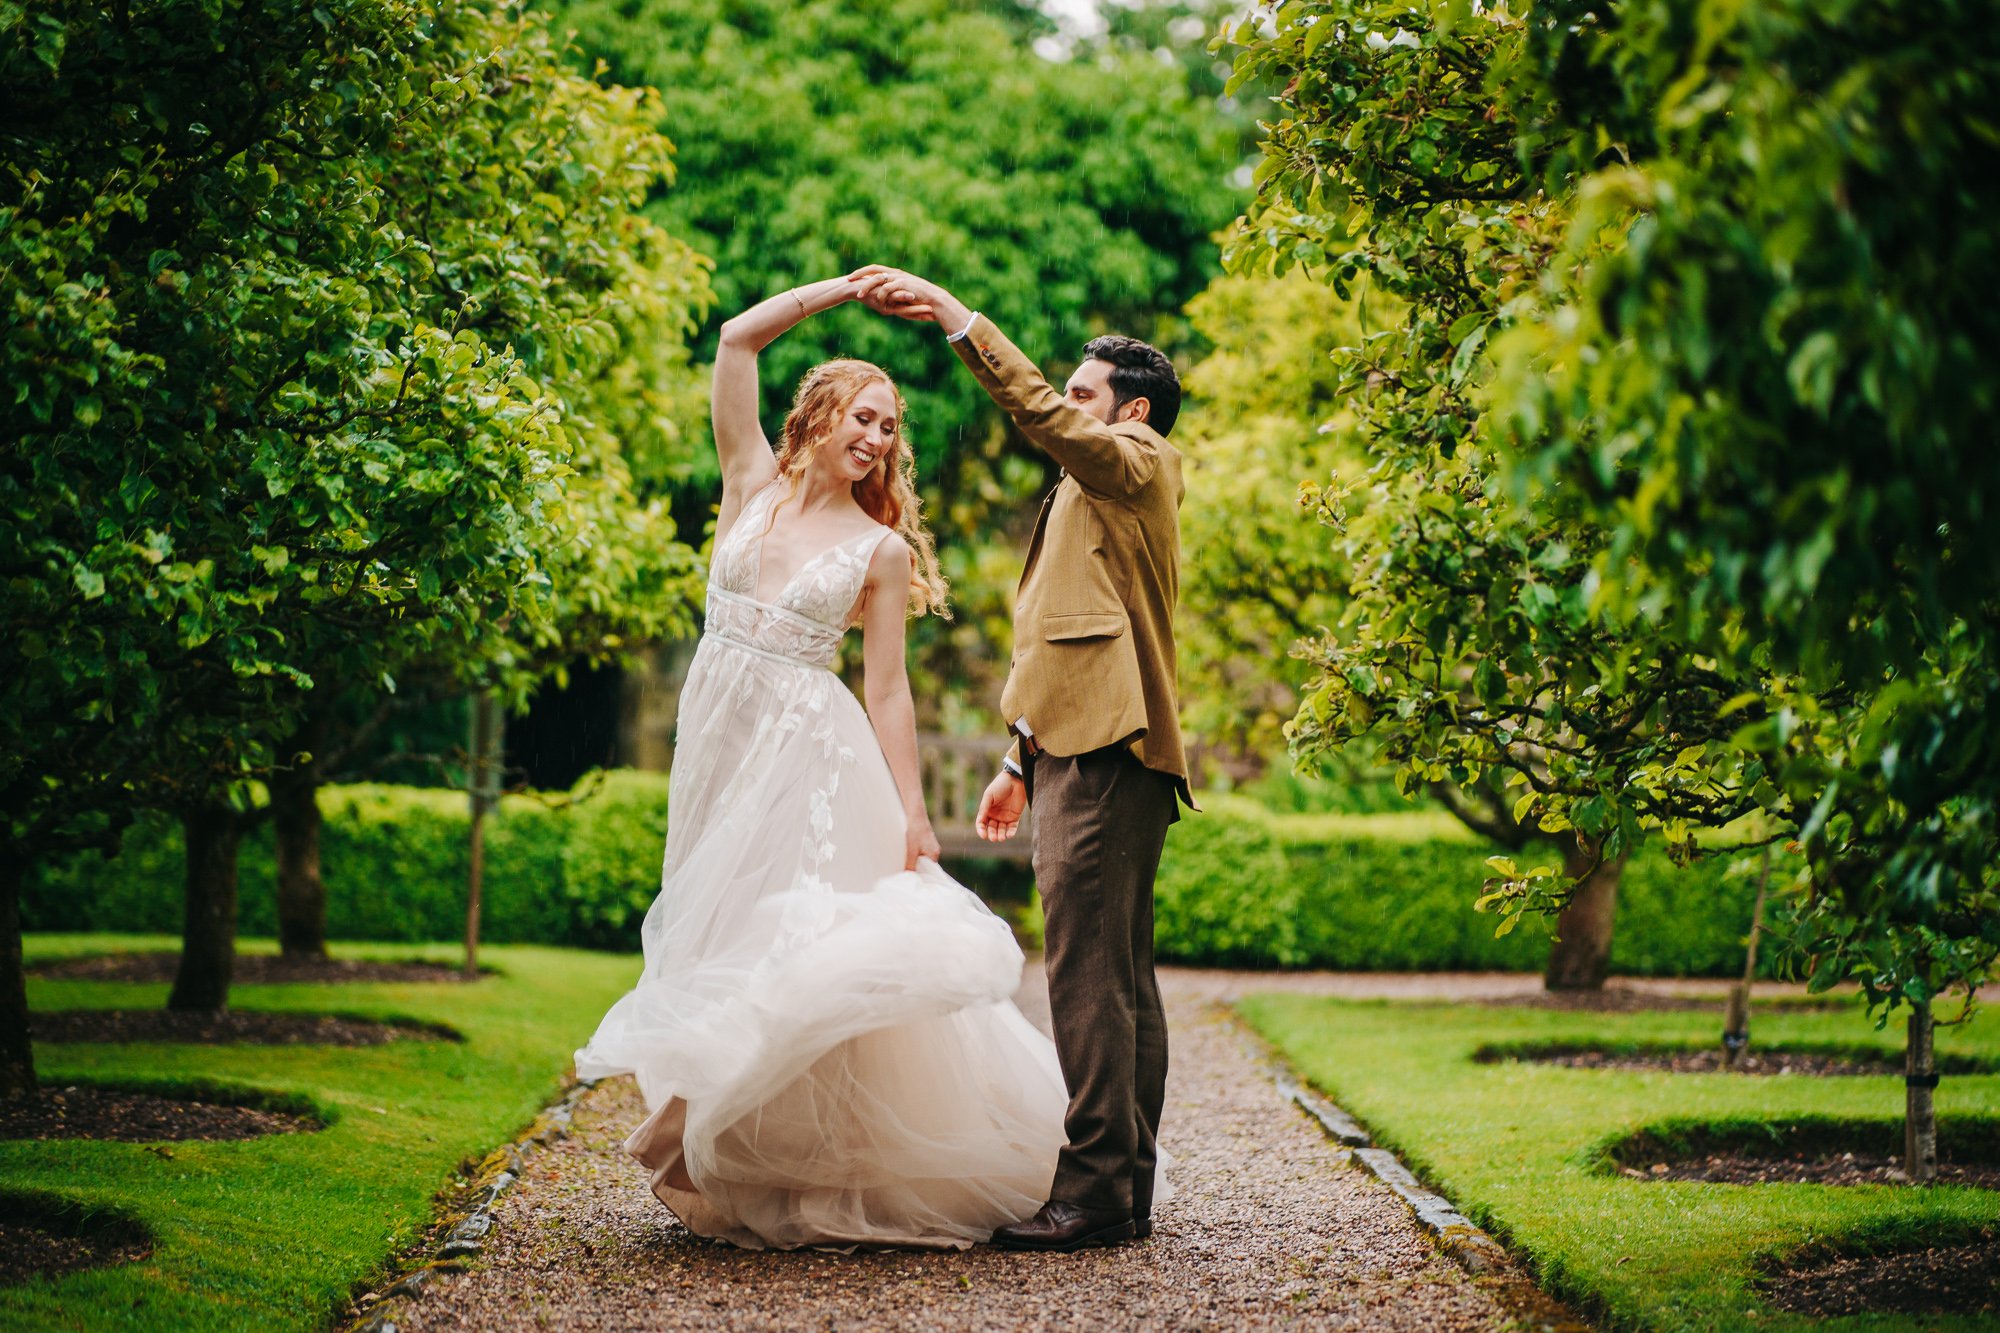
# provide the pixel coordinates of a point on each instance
(867, 558)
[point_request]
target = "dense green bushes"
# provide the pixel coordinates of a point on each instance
(1239, 886)
(1245, 887)
(395, 862)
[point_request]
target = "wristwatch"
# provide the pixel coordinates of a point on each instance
(1007, 765)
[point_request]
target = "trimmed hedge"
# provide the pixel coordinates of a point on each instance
(394, 860)
(1240, 886)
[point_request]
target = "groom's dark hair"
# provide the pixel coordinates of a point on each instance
(1139, 370)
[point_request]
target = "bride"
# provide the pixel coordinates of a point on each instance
(823, 1031)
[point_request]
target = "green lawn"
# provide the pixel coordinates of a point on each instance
(274, 1232)
(1518, 1146)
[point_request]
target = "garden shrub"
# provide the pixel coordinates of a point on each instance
(1239, 886)
(1225, 893)
(394, 860)
(1244, 887)
(611, 860)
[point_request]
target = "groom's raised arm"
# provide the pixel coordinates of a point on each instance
(1111, 460)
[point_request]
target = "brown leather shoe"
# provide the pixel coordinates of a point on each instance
(1064, 1227)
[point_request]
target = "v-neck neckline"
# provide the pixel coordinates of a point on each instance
(757, 553)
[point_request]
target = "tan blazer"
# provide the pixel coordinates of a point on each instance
(1094, 617)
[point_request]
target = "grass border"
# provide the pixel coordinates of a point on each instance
(1498, 1052)
(1961, 1138)
(65, 1215)
(421, 1029)
(196, 1088)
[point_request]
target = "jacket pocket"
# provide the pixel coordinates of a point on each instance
(1083, 625)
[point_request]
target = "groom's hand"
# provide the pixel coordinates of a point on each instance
(1000, 808)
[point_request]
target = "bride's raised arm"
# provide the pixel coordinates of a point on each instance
(740, 444)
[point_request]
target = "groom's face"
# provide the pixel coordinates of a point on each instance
(1089, 389)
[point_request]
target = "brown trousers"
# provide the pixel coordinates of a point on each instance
(1100, 822)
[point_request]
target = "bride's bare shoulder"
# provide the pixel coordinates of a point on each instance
(893, 557)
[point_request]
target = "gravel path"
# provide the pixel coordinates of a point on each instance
(1267, 1232)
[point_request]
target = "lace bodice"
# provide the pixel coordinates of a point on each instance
(809, 616)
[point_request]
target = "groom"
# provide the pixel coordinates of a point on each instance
(1091, 700)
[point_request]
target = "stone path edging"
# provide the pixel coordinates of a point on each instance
(1467, 1246)
(1483, 1258)
(496, 1172)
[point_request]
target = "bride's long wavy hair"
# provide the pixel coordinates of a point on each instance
(888, 494)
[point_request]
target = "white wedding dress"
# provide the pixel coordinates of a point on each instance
(827, 1043)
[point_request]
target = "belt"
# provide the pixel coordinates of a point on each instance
(752, 648)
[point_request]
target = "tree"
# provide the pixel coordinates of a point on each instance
(1473, 647)
(1257, 574)
(1065, 195)
(1763, 366)
(300, 303)
(608, 335)
(814, 137)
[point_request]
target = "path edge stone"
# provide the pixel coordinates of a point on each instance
(1466, 1244)
(379, 1307)
(1484, 1259)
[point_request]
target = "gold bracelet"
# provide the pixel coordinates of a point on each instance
(803, 312)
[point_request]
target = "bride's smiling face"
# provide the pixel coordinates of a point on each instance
(863, 436)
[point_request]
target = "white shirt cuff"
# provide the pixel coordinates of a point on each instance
(960, 335)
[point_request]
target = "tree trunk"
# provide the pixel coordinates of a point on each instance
(208, 936)
(301, 891)
(485, 794)
(1920, 1100)
(1736, 1025)
(17, 1051)
(474, 877)
(1581, 953)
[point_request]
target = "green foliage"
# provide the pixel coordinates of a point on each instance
(1241, 887)
(1474, 650)
(1238, 885)
(279, 1233)
(1059, 196)
(1064, 196)
(1224, 894)
(395, 861)
(1521, 1148)
(1766, 357)
(1283, 790)
(1760, 363)
(1257, 574)
(319, 320)
(611, 860)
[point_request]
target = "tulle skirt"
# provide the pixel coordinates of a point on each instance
(827, 1043)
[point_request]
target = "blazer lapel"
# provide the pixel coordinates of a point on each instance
(1041, 529)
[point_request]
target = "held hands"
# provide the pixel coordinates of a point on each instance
(1000, 808)
(891, 291)
(871, 286)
